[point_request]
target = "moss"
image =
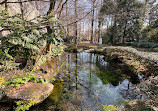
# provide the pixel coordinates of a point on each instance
(57, 92)
(145, 109)
(109, 108)
(108, 77)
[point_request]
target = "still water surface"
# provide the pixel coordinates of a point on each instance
(97, 82)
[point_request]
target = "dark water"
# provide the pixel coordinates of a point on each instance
(94, 82)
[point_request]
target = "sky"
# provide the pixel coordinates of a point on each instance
(144, 0)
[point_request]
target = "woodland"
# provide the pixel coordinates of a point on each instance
(40, 40)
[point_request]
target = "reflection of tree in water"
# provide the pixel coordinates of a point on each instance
(90, 73)
(76, 69)
(114, 73)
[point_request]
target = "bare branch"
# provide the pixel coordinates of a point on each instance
(81, 18)
(62, 7)
(3, 2)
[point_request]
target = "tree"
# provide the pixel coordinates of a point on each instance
(92, 21)
(124, 15)
(27, 38)
(53, 11)
(75, 6)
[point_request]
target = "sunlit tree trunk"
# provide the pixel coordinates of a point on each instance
(49, 30)
(67, 20)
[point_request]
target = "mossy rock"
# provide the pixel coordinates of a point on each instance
(57, 92)
(30, 91)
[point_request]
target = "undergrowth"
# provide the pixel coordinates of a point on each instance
(23, 80)
(23, 106)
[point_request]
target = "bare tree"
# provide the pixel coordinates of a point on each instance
(92, 21)
(75, 6)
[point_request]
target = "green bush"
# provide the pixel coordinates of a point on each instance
(146, 45)
(156, 49)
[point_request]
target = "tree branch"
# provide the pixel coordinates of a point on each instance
(5, 1)
(62, 8)
(82, 17)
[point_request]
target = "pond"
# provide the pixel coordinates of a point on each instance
(94, 81)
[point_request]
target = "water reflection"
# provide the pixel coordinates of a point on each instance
(97, 83)
(108, 81)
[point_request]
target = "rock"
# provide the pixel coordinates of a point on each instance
(80, 50)
(57, 92)
(89, 51)
(31, 91)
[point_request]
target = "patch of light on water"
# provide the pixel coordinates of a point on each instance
(140, 76)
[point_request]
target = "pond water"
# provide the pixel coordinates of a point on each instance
(94, 81)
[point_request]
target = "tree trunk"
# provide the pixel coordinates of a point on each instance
(114, 32)
(49, 30)
(124, 32)
(22, 9)
(76, 42)
(6, 5)
(92, 23)
(67, 20)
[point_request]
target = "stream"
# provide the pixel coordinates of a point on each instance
(92, 82)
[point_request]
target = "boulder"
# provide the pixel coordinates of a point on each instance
(30, 91)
